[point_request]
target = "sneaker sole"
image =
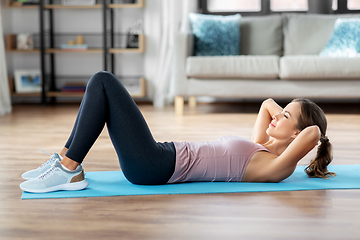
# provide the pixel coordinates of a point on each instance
(63, 187)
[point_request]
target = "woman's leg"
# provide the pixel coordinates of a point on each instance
(142, 159)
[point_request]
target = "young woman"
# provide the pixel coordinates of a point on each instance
(280, 139)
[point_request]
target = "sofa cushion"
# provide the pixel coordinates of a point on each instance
(308, 33)
(345, 40)
(261, 35)
(317, 67)
(216, 35)
(261, 89)
(233, 67)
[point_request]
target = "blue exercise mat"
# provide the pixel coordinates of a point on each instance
(113, 183)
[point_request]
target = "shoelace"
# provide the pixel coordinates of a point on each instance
(45, 152)
(42, 176)
(48, 161)
(51, 159)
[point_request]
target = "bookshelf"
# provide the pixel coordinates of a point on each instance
(48, 50)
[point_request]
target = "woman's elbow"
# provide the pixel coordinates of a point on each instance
(313, 133)
(268, 100)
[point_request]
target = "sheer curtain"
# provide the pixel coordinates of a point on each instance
(5, 102)
(173, 12)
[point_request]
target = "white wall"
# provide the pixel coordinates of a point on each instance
(152, 31)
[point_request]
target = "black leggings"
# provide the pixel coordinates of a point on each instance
(142, 159)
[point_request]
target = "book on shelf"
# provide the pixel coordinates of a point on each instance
(77, 2)
(75, 47)
(19, 3)
(74, 87)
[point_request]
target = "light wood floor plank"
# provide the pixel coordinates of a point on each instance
(325, 214)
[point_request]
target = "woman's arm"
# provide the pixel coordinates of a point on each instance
(284, 165)
(301, 145)
(268, 108)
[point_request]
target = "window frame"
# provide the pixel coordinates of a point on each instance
(265, 9)
(342, 7)
(274, 12)
(204, 9)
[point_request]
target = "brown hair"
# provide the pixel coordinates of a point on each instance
(311, 114)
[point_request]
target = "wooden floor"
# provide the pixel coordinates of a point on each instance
(325, 214)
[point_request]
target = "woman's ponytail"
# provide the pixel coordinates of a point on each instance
(318, 166)
(311, 114)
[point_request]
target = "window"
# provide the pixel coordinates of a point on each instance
(288, 5)
(295, 5)
(264, 7)
(353, 4)
(335, 5)
(234, 5)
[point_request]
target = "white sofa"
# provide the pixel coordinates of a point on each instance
(279, 60)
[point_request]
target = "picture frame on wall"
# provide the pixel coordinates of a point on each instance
(27, 81)
(78, 2)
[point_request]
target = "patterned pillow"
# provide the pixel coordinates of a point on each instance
(345, 40)
(215, 35)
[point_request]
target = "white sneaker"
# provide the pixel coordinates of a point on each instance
(43, 168)
(55, 179)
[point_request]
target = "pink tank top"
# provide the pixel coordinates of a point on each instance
(223, 160)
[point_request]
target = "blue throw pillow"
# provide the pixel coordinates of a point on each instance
(216, 35)
(345, 40)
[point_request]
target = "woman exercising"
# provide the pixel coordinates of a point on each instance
(281, 138)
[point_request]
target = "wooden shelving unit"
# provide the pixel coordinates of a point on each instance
(15, 94)
(140, 49)
(9, 4)
(142, 91)
(58, 6)
(11, 47)
(57, 50)
(65, 94)
(139, 4)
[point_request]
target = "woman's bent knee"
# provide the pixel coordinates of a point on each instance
(103, 74)
(100, 78)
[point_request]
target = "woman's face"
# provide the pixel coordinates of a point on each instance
(283, 124)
